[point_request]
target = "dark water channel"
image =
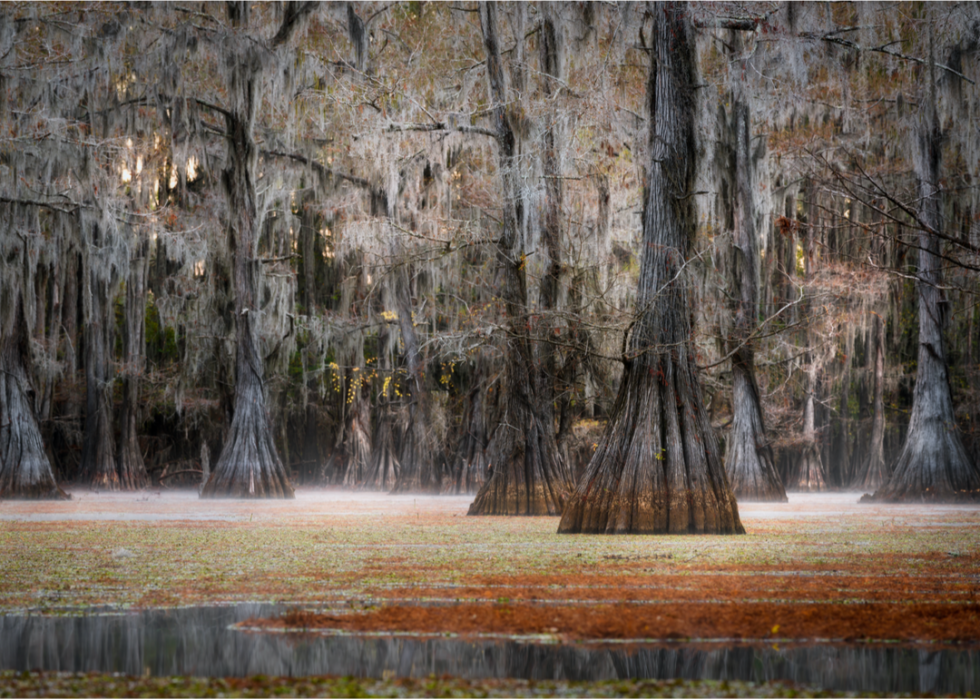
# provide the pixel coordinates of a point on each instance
(199, 641)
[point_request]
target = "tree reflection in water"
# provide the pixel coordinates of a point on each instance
(201, 642)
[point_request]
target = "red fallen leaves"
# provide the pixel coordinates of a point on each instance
(877, 621)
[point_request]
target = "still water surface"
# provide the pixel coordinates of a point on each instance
(200, 641)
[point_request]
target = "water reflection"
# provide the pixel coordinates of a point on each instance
(200, 642)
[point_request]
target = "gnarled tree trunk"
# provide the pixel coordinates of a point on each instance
(249, 465)
(528, 475)
(657, 467)
(25, 471)
(419, 465)
(933, 464)
(749, 464)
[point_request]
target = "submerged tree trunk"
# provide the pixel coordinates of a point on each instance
(749, 464)
(25, 471)
(132, 470)
(933, 464)
(874, 471)
(528, 476)
(657, 467)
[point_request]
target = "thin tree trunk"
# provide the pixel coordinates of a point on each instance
(99, 449)
(384, 469)
(470, 467)
(53, 338)
(357, 440)
(657, 467)
(311, 444)
(308, 237)
(528, 476)
(132, 470)
(68, 432)
(874, 471)
(749, 464)
(808, 471)
(419, 467)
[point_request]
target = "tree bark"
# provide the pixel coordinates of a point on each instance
(528, 476)
(749, 464)
(657, 467)
(419, 466)
(25, 471)
(132, 470)
(357, 433)
(249, 465)
(874, 471)
(933, 465)
(384, 467)
(808, 472)
(99, 448)
(470, 465)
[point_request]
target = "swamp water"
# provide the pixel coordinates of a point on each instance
(202, 642)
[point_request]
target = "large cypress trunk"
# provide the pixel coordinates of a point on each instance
(933, 464)
(750, 465)
(132, 470)
(249, 465)
(657, 467)
(25, 471)
(874, 471)
(528, 476)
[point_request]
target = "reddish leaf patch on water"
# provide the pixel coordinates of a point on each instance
(916, 622)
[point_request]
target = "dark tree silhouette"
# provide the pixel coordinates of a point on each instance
(657, 467)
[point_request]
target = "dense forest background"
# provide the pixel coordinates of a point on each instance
(398, 245)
